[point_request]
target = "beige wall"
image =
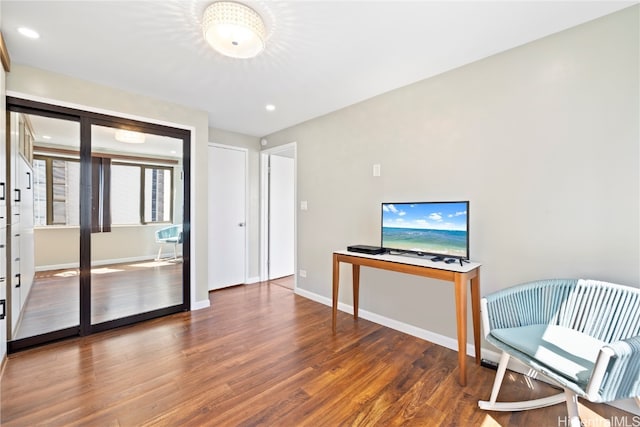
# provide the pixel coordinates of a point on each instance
(56, 88)
(252, 144)
(543, 141)
(59, 247)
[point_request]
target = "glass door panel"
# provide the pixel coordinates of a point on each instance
(44, 231)
(136, 210)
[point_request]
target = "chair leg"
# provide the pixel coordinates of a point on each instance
(175, 251)
(492, 405)
(159, 253)
(638, 401)
(572, 408)
(497, 383)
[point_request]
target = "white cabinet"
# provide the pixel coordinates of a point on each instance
(3, 292)
(27, 251)
(16, 297)
(21, 260)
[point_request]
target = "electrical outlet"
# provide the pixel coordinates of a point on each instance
(303, 205)
(303, 273)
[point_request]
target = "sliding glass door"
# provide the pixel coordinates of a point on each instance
(136, 223)
(44, 227)
(98, 224)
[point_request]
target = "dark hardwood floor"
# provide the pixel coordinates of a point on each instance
(118, 290)
(286, 281)
(260, 355)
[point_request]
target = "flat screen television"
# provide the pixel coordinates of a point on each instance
(427, 228)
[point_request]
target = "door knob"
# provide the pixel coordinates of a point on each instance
(241, 224)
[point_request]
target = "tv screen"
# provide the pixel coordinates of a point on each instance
(427, 228)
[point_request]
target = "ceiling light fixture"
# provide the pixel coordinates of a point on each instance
(28, 32)
(270, 107)
(129, 136)
(233, 29)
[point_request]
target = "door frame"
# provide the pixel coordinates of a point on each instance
(264, 209)
(247, 200)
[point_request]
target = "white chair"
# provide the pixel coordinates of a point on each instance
(171, 234)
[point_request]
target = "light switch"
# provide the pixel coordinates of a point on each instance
(376, 169)
(303, 205)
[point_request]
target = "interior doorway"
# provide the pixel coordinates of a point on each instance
(278, 206)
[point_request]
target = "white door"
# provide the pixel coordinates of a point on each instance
(227, 211)
(281, 216)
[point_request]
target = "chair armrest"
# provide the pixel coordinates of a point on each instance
(620, 367)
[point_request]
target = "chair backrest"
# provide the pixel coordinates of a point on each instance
(605, 311)
(170, 232)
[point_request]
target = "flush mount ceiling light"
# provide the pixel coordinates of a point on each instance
(233, 29)
(129, 136)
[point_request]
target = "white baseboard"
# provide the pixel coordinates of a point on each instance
(628, 405)
(252, 280)
(199, 305)
(433, 337)
(102, 262)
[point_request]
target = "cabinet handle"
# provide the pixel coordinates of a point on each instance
(17, 199)
(29, 185)
(3, 303)
(18, 276)
(4, 191)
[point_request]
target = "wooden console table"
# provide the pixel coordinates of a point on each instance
(455, 273)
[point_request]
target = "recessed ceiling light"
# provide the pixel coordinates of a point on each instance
(173, 151)
(28, 32)
(270, 107)
(46, 137)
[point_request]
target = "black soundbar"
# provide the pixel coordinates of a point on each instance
(365, 249)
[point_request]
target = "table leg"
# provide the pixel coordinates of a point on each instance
(336, 284)
(475, 313)
(461, 323)
(356, 289)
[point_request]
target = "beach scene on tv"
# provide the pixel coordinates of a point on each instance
(433, 228)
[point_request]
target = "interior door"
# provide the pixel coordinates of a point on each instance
(227, 216)
(281, 216)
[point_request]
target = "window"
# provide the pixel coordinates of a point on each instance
(157, 194)
(56, 191)
(137, 193)
(125, 205)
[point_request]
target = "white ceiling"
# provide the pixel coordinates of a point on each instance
(321, 55)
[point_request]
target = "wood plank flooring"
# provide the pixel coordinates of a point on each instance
(118, 290)
(260, 356)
